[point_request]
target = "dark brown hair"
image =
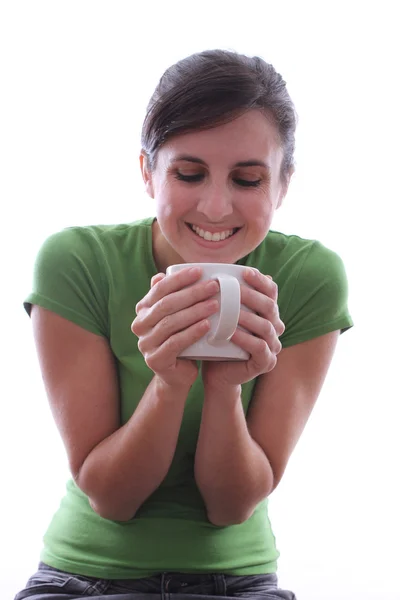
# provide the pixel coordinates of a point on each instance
(214, 87)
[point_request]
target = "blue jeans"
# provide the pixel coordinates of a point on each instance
(51, 584)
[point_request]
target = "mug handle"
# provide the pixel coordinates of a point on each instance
(229, 308)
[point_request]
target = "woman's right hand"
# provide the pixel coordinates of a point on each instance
(170, 318)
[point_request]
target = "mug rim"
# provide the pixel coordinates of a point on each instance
(216, 265)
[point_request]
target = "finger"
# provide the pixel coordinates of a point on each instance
(165, 356)
(172, 304)
(262, 328)
(262, 360)
(170, 284)
(262, 283)
(264, 306)
(174, 323)
(156, 279)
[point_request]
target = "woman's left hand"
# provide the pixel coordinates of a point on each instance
(261, 340)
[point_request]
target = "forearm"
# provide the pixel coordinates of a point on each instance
(231, 470)
(123, 470)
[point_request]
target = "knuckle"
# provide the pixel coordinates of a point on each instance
(272, 362)
(141, 346)
(173, 345)
(274, 311)
(163, 305)
(143, 303)
(156, 279)
(269, 328)
(166, 324)
(135, 327)
(261, 346)
(151, 361)
(271, 308)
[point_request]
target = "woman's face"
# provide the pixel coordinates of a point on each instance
(216, 191)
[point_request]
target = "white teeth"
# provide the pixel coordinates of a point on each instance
(214, 237)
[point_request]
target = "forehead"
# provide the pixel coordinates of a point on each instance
(252, 136)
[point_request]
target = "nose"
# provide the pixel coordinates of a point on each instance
(215, 203)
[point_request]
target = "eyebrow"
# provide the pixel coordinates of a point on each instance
(244, 163)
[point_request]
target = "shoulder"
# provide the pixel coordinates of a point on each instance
(75, 270)
(291, 257)
(92, 241)
(309, 259)
(312, 283)
(101, 233)
(310, 266)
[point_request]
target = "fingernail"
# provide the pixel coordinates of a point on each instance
(212, 286)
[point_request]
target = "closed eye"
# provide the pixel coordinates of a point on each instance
(200, 176)
(189, 178)
(247, 182)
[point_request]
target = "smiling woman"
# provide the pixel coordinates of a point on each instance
(208, 181)
(172, 462)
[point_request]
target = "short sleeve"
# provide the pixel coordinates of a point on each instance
(318, 304)
(69, 279)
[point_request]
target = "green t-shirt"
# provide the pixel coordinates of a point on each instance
(94, 276)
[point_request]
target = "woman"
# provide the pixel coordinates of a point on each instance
(172, 462)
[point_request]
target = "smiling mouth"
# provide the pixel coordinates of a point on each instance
(209, 236)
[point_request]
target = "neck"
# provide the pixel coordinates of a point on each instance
(164, 255)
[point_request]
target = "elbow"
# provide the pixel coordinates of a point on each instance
(111, 513)
(227, 519)
(102, 499)
(226, 514)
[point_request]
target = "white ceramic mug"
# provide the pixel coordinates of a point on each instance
(216, 344)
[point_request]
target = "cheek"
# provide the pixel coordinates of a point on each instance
(175, 201)
(256, 209)
(258, 216)
(169, 208)
(166, 210)
(262, 224)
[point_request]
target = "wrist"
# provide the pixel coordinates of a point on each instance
(168, 391)
(223, 392)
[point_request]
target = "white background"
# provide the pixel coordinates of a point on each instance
(75, 79)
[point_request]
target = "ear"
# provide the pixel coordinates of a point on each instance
(285, 187)
(146, 173)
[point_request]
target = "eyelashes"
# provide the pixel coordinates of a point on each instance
(189, 178)
(199, 177)
(247, 182)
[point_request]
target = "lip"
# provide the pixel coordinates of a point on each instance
(211, 229)
(208, 243)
